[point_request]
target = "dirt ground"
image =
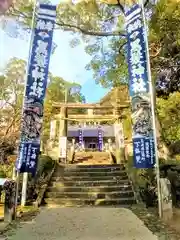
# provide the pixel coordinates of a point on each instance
(174, 222)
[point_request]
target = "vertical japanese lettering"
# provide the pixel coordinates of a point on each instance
(143, 147)
(38, 68)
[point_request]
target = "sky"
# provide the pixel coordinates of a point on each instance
(66, 62)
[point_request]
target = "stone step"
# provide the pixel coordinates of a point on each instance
(91, 153)
(90, 195)
(91, 202)
(89, 183)
(101, 167)
(88, 178)
(89, 174)
(76, 168)
(59, 188)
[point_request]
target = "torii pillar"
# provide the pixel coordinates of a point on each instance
(63, 122)
(118, 132)
(63, 133)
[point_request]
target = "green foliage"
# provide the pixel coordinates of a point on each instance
(56, 93)
(11, 95)
(169, 115)
(45, 164)
(165, 46)
(6, 170)
(108, 65)
(127, 125)
(92, 18)
(140, 177)
(87, 17)
(166, 30)
(108, 61)
(120, 155)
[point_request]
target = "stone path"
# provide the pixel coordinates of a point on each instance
(84, 224)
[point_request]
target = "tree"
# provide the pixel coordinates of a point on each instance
(90, 18)
(86, 17)
(110, 68)
(98, 19)
(109, 62)
(56, 93)
(11, 95)
(169, 115)
(11, 99)
(165, 47)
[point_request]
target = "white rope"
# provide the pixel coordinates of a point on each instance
(77, 120)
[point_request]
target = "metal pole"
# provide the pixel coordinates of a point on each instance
(153, 110)
(24, 189)
(17, 193)
(14, 174)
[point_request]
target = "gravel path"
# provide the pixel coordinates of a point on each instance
(84, 224)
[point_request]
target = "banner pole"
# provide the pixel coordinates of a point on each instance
(153, 111)
(17, 193)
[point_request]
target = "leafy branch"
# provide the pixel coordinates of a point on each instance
(71, 27)
(75, 28)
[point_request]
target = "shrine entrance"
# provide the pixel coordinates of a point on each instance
(93, 145)
(100, 125)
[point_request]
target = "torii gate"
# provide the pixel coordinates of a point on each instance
(115, 115)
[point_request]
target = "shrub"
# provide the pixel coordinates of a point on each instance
(6, 170)
(45, 164)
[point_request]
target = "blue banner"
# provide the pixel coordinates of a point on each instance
(100, 138)
(38, 67)
(139, 87)
(80, 136)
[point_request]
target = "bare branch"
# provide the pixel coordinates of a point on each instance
(69, 27)
(121, 6)
(146, 3)
(21, 13)
(111, 18)
(121, 47)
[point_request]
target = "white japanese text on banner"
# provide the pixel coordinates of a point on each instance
(38, 67)
(143, 134)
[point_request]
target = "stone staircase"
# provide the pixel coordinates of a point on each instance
(93, 185)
